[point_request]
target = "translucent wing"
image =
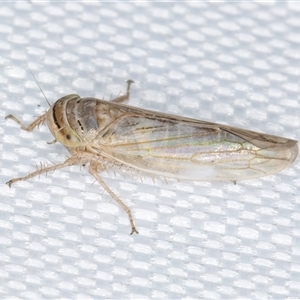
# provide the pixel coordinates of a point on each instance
(184, 148)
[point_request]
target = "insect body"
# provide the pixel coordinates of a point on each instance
(100, 133)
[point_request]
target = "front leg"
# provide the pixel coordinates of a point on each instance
(32, 125)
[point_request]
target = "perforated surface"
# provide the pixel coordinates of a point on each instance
(233, 63)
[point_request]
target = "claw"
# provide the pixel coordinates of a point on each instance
(133, 230)
(9, 183)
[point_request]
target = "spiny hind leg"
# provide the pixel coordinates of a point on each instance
(94, 172)
(32, 125)
(68, 162)
(125, 97)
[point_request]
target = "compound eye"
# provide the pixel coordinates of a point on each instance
(68, 137)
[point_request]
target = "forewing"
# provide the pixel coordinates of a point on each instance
(189, 149)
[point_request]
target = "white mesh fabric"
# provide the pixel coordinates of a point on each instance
(61, 236)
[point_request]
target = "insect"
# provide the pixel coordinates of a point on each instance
(103, 134)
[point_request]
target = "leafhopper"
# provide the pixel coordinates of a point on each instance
(103, 134)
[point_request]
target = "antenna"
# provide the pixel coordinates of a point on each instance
(38, 85)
